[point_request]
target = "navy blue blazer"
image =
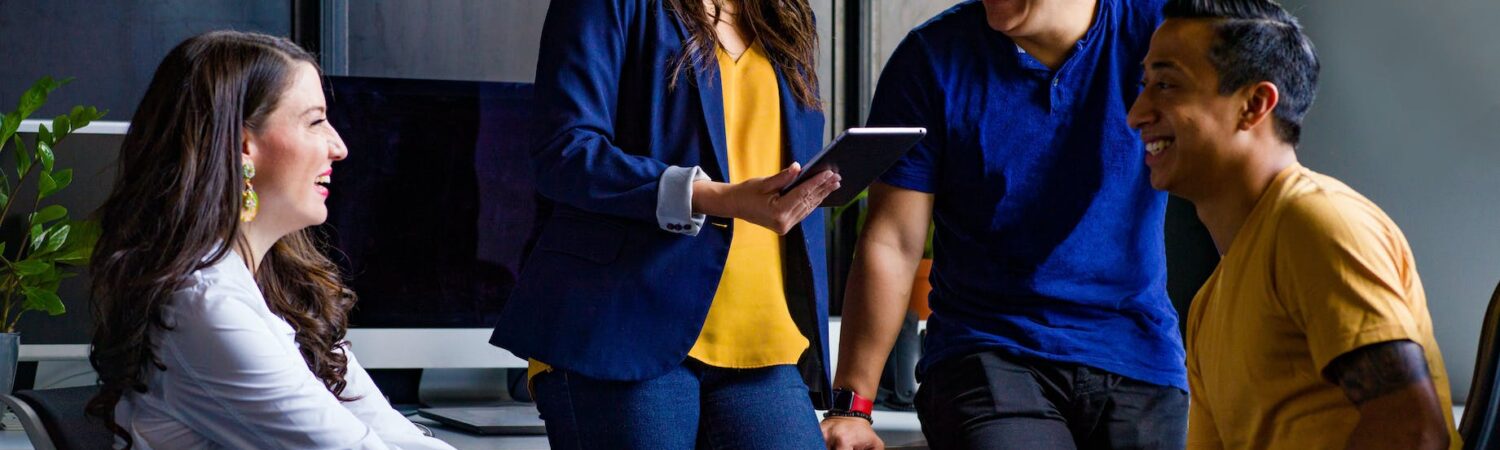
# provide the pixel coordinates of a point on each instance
(606, 292)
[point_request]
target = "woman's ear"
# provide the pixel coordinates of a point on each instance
(247, 146)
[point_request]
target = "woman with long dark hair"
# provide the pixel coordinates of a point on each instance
(675, 298)
(218, 323)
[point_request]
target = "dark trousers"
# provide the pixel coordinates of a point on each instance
(992, 401)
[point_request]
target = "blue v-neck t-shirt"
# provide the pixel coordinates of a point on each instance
(1048, 239)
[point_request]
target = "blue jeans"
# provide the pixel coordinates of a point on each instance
(694, 405)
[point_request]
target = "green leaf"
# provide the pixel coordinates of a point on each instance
(33, 98)
(80, 245)
(36, 96)
(63, 178)
(77, 256)
(42, 300)
(81, 116)
(31, 267)
(61, 126)
(48, 214)
(45, 185)
(43, 135)
(44, 154)
(9, 123)
(37, 236)
(23, 155)
(55, 239)
(2, 248)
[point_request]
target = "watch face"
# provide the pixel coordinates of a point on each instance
(843, 400)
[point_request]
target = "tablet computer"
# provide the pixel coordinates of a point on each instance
(859, 156)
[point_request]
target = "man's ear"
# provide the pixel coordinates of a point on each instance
(1260, 102)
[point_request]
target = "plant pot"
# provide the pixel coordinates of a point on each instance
(921, 286)
(10, 351)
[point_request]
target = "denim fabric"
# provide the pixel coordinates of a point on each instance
(692, 406)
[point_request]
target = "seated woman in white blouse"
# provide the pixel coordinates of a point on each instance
(218, 324)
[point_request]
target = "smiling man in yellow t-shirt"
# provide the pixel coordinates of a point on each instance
(1313, 332)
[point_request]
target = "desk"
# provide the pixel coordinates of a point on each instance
(899, 430)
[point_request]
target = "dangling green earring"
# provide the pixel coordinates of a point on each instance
(249, 202)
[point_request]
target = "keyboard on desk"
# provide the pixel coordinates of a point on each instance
(507, 419)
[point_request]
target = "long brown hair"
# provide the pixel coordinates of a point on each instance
(174, 209)
(784, 28)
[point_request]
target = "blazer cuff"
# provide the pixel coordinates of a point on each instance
(674, 200)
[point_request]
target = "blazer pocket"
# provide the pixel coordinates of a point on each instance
(595, 241)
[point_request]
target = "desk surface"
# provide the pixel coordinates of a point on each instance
(899, 430)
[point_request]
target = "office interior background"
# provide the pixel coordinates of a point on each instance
(1408, 111)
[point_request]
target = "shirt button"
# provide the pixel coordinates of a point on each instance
(1054, 81)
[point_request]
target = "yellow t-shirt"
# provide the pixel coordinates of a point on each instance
(749, 324)
(1315, 272)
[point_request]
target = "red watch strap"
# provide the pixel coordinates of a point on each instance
(854, 402)
(861, 404)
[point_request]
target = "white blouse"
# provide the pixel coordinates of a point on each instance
(235, 379)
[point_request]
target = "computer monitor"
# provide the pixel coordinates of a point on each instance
(430, 215)
(54, 349)
(90, 152)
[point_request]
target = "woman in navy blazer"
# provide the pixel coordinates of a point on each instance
(632, 150)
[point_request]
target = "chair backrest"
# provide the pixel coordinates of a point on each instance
(59, 415)
(1479, 427)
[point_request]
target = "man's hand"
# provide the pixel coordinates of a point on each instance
(759, 200)
(850, 433)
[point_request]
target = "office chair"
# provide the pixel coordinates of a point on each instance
(1482, 410)
(54, 418)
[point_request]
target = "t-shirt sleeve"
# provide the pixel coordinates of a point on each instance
(908, 96)
(1340, 274)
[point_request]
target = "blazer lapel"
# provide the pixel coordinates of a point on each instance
(794, 124)
(712, 96)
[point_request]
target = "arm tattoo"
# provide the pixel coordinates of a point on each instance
(1378, 369)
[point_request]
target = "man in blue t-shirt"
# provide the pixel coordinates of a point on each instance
(1050, 326)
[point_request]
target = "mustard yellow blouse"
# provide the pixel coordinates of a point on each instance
(749, 324)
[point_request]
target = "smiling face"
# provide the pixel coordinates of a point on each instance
(1186, 124)
(293, 151)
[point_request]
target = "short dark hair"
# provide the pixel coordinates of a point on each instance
(1254, 41)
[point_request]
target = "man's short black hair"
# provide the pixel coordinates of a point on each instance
(1254, 41)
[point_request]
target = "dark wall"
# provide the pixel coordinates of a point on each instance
(1408, 114)
(111, 47)
(484, 40)
(1191, 256)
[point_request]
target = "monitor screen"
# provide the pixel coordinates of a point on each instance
(431, 212)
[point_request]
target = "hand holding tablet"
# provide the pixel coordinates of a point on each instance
(859, 156)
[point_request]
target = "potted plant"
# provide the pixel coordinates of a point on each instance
(45, 247)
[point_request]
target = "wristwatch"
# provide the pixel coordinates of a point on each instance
(847, 403)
